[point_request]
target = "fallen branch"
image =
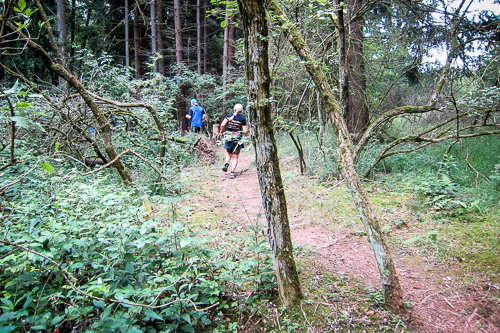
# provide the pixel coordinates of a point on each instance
(429, 296)
(179, 140)
(126, 151)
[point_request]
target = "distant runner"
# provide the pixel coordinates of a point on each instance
(197, 115)
(236, 128)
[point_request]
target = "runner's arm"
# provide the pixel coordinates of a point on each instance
(224, 123)
(245, 129)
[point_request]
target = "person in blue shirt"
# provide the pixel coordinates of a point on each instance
(197, 115)
(236, 128)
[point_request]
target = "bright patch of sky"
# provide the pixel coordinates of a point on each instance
(474, 10)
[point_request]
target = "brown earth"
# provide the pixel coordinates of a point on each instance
(442, 302)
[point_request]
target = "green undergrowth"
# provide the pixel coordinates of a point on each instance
(432, 219)
(85, 254)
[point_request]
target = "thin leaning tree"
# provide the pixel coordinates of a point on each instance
(258, 80)
(390, 282)
(57, 67)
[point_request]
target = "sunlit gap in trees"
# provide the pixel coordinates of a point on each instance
(477, 9)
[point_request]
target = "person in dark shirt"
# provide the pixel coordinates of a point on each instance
(236, 128)
(197, 115)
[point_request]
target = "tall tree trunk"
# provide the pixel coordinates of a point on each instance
(343, 76)
(224, 60)
(159, 34)
(230, 56)
(181, 104)
(358, 115)
(205, 45)
(178, 33)
(261, 128)
(137, 42)
(388, 276)
(127, 48)
(73, 32)
(152, 17)
(198, 36)
(230, 41)
(62, 35)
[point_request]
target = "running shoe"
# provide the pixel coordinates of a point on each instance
(225, 167)
(232, 175)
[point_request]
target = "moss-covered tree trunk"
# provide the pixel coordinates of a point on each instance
(261, 128)
(389, 279)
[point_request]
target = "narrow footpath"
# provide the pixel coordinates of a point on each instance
(440, 302)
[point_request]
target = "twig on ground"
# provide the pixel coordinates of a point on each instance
(448, 302)
(340, 182)
(300, 224)
(239, 173)
(278, 319)
(335, 241)
(453, 313)
(304, 313)
(251, 316)
(429, 296)
(471, 317)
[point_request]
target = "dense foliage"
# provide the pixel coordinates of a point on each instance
(85, 253)
(80, 250)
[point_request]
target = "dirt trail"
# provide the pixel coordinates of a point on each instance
(441, 302)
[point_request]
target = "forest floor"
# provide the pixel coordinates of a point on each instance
(332, 252)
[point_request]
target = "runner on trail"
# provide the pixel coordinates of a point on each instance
(197, 115)
(236, 128)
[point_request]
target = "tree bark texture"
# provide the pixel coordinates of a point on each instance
(205, 32)
(224, 60)
(159, 35)
(181, 104)
(230, 41)
(178, 32)
(62, 34)
(152, 17)
(137, 42)
(198, 36)
(358, 115)
(343, 76)
(127, 48)
(389, 279)
(262, 132)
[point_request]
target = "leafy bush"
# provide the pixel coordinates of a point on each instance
(83, 254)
(444, 195)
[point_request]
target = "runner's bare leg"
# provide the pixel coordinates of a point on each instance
(235, 162)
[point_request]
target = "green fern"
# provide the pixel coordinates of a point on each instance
(444, 195)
